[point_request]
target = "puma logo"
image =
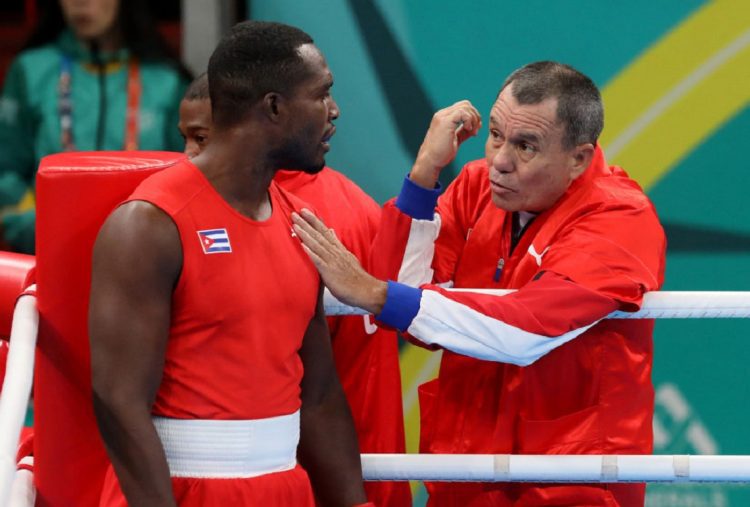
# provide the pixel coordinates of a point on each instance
(537, 256)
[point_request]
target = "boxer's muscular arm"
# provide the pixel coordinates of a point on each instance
(137, 260)
(328, 447)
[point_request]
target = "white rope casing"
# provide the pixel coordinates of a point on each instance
(23, 493)
(555, 468)
(656, 305)
(16, 387)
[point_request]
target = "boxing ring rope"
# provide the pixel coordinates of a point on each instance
(576, 468)
(14, 399)
(555, 468)
(491, 468)
(656, 305)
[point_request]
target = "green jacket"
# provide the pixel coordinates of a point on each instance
(30, 120)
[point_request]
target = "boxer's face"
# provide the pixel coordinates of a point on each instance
(529, 168)
(195, 124)
(314, 112)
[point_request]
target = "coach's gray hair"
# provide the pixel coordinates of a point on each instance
(579, 104)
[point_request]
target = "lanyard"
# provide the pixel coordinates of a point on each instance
(65, 105)
(134, 100)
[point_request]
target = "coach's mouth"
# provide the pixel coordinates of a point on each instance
(501, 189)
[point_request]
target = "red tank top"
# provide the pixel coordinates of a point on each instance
(245, 296)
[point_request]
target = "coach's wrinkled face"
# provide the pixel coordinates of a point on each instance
(529, 168)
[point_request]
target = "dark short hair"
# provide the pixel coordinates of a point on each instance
(255, 58)
(197, 89)
(579, 104)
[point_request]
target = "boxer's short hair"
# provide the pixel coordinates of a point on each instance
(253, 59)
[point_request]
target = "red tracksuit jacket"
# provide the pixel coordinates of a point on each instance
(537, 371)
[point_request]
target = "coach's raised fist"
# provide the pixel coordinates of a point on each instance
(448, 129)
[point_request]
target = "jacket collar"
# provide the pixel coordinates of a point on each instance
(79, 51)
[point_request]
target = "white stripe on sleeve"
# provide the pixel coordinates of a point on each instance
(463, 330)
(416, 267)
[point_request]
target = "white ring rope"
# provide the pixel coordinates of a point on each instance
(23, 493)
(14, 399)
(555, 468)
(656, 305)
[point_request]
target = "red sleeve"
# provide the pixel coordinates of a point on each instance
(389, 244)
(618, 252)
(459, 208)
(368, 216)
(415, 248)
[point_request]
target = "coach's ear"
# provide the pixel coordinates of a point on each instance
(580, 159)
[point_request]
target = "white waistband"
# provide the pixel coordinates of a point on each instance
(226, 448)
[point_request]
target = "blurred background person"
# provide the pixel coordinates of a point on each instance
(195, 116)
(94, 75)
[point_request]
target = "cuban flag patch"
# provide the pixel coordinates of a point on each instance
(215, 241)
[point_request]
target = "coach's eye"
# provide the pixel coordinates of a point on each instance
(495, 135)
(527, 148)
